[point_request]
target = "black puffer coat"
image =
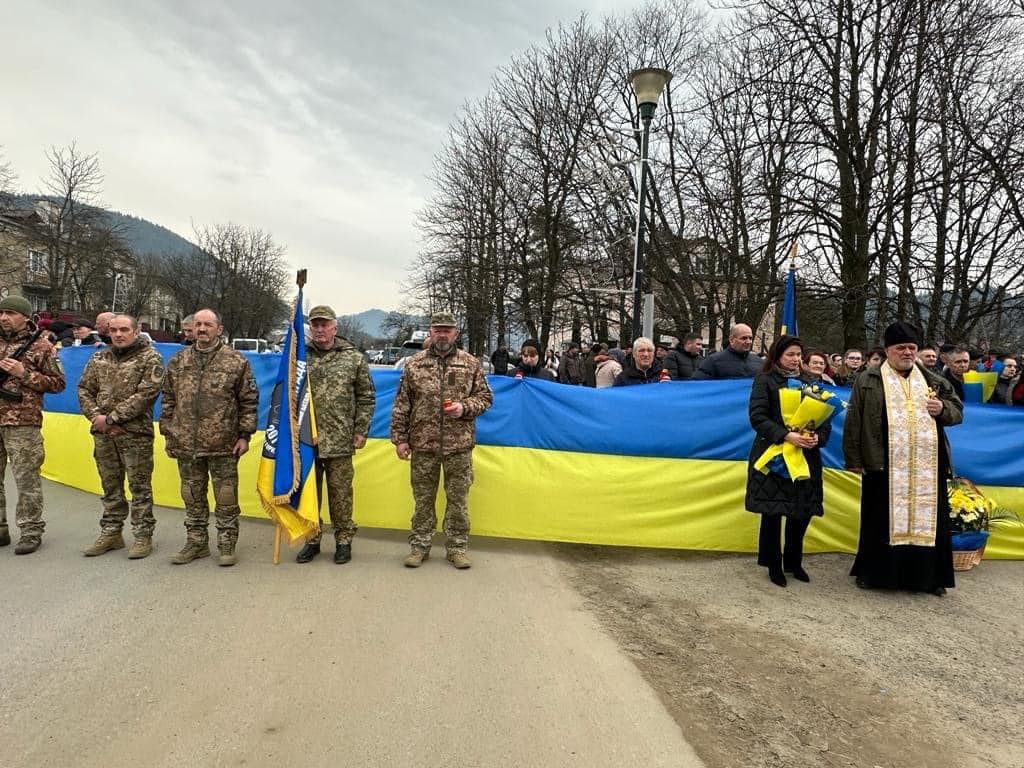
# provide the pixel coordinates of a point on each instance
(772, 494)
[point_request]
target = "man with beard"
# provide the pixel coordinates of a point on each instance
(35, 370)
(682, 362)
(433, 422)
(895, 439)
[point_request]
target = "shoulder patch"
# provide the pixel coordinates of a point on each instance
(158, 373)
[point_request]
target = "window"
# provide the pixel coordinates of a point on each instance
(702, 310)
(36, 261)
(38, 302)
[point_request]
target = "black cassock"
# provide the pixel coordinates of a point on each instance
(882, 566)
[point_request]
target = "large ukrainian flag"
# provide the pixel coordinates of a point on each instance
(286, 481)
(658, 466)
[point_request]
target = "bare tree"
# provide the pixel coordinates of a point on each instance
(241, 272)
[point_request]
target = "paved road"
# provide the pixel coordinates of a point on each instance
(110, 662)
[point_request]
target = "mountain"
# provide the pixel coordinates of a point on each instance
(146, 237)
(370, 321)
(141, 236)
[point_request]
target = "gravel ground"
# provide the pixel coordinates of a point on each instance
(819, 674)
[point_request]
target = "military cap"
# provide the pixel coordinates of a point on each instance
(322, 312)
(17, 304)
(443, 320)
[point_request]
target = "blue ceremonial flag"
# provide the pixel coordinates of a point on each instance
(286, 480)
(789, 303)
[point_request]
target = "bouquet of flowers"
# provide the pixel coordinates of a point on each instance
(805, 408)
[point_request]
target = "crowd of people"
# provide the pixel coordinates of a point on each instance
(645, 361)
(894, 437)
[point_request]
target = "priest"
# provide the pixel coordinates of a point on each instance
(895, 439)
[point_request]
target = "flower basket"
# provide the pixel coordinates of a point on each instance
(968, 549)
(971, 513)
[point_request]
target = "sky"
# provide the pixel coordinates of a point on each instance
(316, 121)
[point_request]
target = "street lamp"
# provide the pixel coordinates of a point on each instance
(647, 84)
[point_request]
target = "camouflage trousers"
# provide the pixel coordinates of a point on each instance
(458, 477)
(223, 472)
(128, 456)
(23, 447)
(338, 472)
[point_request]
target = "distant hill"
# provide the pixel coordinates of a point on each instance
(146, 237)
(141, 236)
(370, 321)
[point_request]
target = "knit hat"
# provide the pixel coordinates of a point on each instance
(530, 343)
(901, 332)
(17, 304)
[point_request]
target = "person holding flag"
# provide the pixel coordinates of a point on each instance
(343, 398)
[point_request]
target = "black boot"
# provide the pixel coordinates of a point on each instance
(342, 552)
(310, 550)
(799, 574)
(5, 537)
(777, 576)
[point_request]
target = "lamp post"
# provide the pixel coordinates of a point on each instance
(647, 84)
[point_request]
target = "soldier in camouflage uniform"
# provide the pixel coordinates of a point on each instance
(441, 393)
(343, 399)
(35, 371)
(116, 393)
(207, 418)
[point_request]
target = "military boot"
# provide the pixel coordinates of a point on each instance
(227, 553)
(5, 537)
(27, 545)
(141, 548)
(192, 550)
(416, 558)
(342, 552)
(459, 560)
(105, 543)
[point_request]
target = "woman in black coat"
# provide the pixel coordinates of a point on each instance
(771, 495)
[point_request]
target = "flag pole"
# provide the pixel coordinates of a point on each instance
(300, 280)
(792, 255)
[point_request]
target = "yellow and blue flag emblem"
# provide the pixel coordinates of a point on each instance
(286, 481)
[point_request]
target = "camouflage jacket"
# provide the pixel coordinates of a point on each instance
(427, 381)
(343, 396)
(210, 400)
(123, 384)
(43, 373)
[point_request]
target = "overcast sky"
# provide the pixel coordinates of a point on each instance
(317, 121)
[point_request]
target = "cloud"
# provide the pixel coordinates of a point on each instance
(317, 122)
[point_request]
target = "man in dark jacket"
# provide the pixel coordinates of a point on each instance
(642, 368)
(500, 359)
(570, 370)
(733, 362)
(682, 362)
(958, 362)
